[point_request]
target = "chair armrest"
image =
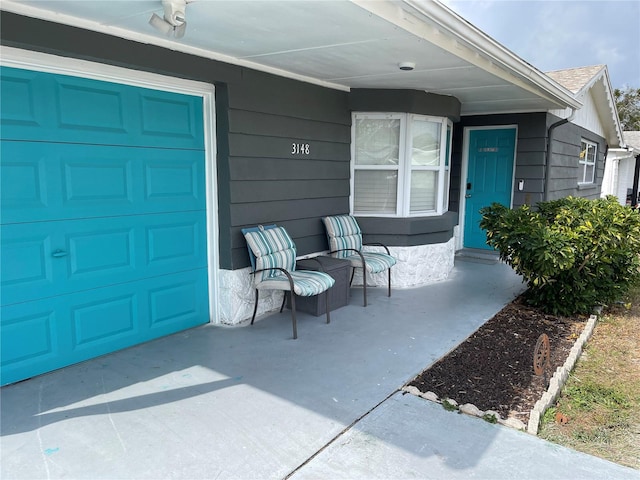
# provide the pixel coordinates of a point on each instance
(377, 244)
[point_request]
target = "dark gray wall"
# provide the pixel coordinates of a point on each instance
(258, 116)
(564, 168)
(409, 232)
(404, 101)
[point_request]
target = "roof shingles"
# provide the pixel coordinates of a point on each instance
(574, 79)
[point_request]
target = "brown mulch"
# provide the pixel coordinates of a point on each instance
(493, 368)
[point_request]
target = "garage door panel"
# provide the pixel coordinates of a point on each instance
(44, 181)
(24, 179)
(55, 258)
(170, 178)
(28, 335)
(169, 117)
(105, 319)
(174, 303)
(60, 108)
(101, 252)
(174, 242)
(97, 176)
(25, 262)
(47, 334)
(105, 117)
(22, 107)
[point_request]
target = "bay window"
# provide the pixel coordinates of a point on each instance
(400, 164)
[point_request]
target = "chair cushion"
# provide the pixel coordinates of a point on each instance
(272, 248)
(306, 283)
(343, 232)
(252, 256)
(375, 262)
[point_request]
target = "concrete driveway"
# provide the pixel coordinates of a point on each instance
(251, 403)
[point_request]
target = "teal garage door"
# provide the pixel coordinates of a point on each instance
(103, 222)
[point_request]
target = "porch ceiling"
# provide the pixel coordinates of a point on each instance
(340, 44)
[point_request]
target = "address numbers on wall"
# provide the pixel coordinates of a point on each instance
(300, 149)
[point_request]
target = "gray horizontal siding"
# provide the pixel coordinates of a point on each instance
(564, 169)
(409, 231)
(278, 96)
(256, 168)
(276, 190)
(405, 101)
(255, 123)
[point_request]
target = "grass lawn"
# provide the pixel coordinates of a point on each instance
(599, 409)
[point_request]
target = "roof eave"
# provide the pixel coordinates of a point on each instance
(467, 33)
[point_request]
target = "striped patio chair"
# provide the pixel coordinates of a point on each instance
(273, 264)
(345, 241)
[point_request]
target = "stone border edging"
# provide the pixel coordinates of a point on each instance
(548, 398)
(560, 377)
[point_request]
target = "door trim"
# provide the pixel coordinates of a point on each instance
(465, 171)
(43, 62)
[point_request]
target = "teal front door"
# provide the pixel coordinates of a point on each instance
(103, 221)
(489, 178)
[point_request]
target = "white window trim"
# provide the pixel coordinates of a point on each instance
(404, 166)
(584, 163)
(43, 62)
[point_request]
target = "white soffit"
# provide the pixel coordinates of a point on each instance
(337, 43)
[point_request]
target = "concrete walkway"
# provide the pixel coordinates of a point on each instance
(250, 403)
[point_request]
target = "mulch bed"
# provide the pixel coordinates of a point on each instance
(493, 368)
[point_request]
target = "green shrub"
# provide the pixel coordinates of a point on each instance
(573, 253)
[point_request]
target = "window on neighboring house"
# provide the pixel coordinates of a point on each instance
(587, 162)
(400, 164)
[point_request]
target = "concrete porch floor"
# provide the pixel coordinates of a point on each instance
(251, 403)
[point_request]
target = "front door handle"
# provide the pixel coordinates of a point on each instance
(468, 195)
(59, 253)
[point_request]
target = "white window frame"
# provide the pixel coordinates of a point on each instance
(584, 162)
(404, 167)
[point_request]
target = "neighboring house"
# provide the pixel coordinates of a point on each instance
(621, 171)
(131, 160)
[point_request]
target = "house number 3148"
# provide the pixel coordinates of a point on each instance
(299, 149)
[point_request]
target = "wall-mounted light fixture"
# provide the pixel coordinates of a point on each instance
(174, 22)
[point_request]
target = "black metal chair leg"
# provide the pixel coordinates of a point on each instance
(284, 299)
(364, 283)
(293, 316)
(389, 282)
(255, 307)
(326, 299)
